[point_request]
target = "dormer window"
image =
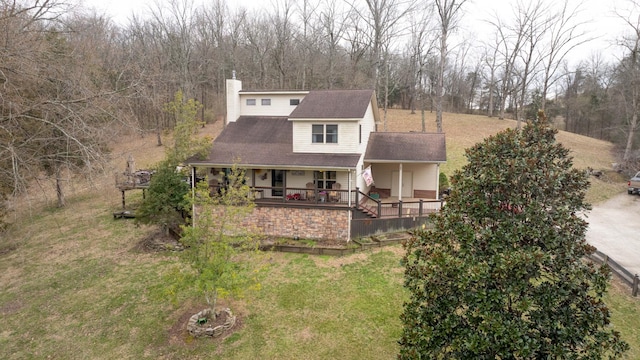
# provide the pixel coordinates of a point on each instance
(266, 102)
(321, 134)
(251, 102)
(294, 102)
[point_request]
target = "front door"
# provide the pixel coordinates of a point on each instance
(407, 184)
(277, 182)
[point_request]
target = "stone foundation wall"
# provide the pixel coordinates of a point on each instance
(305, 223)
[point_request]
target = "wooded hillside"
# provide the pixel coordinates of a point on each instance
(72, 80)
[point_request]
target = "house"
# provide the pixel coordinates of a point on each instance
(319, 167)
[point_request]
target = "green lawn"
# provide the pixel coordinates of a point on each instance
(75, 287)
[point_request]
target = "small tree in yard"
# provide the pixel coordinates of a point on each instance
(220, 251)
(502, 272)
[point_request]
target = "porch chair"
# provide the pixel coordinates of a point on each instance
(214, 187)
(335, 195)
(311, 191)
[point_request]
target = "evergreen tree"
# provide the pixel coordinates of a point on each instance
(165, 202)
(502, 274)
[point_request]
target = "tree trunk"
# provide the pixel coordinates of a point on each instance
(632, 131)
(59, 190)
(440, 88)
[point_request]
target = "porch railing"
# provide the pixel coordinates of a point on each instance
(374, 207)
(302, 195)
(379, 208)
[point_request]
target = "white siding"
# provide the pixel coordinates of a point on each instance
(279, 104)
(424, 175)
(347, 137)
(233, 105)
(368, 126)
(358, 180)
(299, 181)
(353, 135)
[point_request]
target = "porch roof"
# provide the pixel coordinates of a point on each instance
(266, 142)
(414, 147)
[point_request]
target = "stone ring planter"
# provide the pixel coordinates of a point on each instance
(196, 329)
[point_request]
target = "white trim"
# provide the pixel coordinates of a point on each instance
(327, 119)
(284, 92)
(403, 161)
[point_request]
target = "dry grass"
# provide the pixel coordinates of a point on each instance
(463, 131)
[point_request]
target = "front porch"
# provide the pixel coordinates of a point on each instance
(329, 204)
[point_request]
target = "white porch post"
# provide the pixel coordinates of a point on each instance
(193, 196)
(350, 214)
(437, 181)
(400, 182)
(349, 190)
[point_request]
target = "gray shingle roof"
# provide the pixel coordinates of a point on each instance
(406, 147)
(255, 141)
(333, 104)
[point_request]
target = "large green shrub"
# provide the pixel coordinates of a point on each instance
(165, 203)
(502, 275)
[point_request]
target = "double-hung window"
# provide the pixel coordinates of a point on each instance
(324, 134)
(324, 179)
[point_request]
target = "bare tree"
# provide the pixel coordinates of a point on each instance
(449, 12)
(629, 70)
(534, 22)
(421, 46)
(492, 63)
(332, 33)
(260, 42)
(357, 45)
(308, 38)
(564, 36)
(283, 28)
(382, 19)
(176, 24)
(55, 102)
(510, 39)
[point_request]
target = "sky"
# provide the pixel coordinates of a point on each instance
(604, 26)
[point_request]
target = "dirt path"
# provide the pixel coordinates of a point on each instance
(614, 228)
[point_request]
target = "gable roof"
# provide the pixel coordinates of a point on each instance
(266, 142)
(406, 147)
(334, 104)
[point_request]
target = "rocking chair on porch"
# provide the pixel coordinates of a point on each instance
(334, 195)
(311, 192)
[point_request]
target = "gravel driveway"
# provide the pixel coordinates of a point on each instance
(614, 228)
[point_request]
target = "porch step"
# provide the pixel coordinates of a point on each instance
(368, 210)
